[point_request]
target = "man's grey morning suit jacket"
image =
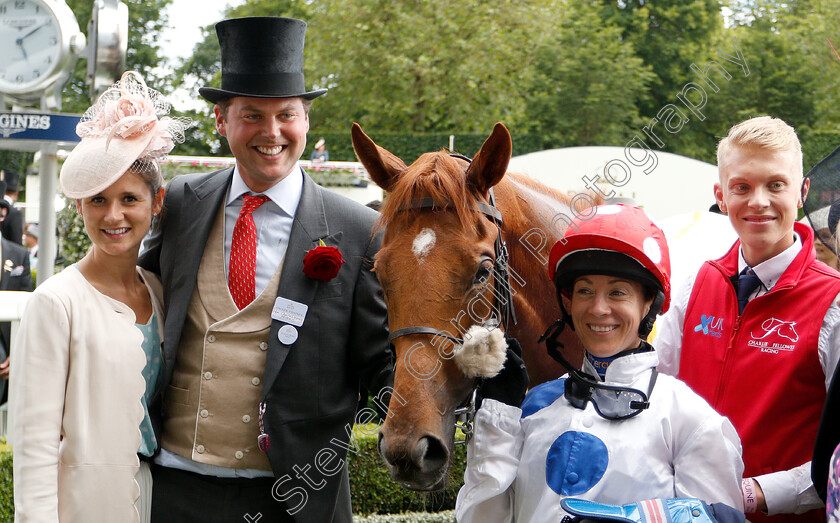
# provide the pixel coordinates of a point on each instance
(311, 386)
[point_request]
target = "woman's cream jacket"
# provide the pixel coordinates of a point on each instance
(76, 386)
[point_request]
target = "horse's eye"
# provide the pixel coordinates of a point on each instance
(483, 272)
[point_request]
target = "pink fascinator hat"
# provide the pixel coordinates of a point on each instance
(127, 123)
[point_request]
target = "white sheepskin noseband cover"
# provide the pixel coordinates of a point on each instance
(483, 353)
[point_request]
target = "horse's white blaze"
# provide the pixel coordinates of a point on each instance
(423, 243)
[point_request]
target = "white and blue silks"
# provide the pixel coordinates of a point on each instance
(522, 462)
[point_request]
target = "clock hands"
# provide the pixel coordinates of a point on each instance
(30, 33)
(19, 41)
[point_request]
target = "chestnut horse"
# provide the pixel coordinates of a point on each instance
(436, 269)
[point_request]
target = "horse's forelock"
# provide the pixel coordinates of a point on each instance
(437, 176)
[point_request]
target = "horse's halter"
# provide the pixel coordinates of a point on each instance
(503, 302)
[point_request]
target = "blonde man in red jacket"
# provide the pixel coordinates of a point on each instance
(756, 332)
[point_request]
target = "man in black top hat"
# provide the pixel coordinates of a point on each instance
(263, 355)
(12, 226)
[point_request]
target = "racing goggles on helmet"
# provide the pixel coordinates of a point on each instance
(610, 401)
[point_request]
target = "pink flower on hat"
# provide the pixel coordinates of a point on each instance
(134, 106)
(135, 116)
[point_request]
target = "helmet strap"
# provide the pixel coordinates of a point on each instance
(565, 317)
(646, 325)
(552, 343)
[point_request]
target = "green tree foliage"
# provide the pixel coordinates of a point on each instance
(805, 28)
(588, 83)
(419, 66)
(667, 35)
(426, 66)
(572, 72)
(74, 242)
(146, 21)
(793, 70)
(670, 35)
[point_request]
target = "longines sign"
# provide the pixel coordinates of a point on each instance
(27, 131)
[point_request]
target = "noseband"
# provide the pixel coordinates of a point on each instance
(503, 302)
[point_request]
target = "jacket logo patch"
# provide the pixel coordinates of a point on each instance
(710, 326)
(775, 332)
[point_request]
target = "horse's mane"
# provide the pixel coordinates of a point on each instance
(437, 176)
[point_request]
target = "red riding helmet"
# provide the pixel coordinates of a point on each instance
(618, 240)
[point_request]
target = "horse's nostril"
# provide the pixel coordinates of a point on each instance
(430, 454)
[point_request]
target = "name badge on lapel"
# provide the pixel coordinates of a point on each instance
(289, 311)
(287, 334)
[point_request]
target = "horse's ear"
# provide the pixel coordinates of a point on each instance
(491, 162)
(383, 167)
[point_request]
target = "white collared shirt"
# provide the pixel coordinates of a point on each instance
(769, 271)
(273, 221)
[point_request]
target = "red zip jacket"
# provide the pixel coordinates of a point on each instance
(762, 369)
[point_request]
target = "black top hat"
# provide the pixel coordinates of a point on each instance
(261, 57)
(12, 180)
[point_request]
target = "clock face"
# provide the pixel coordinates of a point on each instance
(30, 39)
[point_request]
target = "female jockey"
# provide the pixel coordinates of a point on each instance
(614, 431)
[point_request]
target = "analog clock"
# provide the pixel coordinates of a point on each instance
(39, 40)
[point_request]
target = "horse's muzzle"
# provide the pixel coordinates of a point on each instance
(421, 466)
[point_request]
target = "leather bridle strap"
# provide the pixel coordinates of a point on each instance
(422, 330)
(430, 203)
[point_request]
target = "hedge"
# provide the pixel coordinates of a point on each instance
(816, 145)
(7, 500)
(410, 146)
(373, 491)
(447, 516)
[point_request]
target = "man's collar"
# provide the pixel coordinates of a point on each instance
(285, 193)
(771, 270)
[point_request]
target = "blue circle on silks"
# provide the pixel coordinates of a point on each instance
(576, 462)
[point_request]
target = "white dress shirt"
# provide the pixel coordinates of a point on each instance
(273, 221)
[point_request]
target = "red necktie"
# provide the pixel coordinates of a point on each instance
(243, 253)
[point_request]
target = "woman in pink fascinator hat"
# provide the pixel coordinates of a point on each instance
(87, 357)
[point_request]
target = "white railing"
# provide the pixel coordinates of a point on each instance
(220, 162)
(12, 304)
